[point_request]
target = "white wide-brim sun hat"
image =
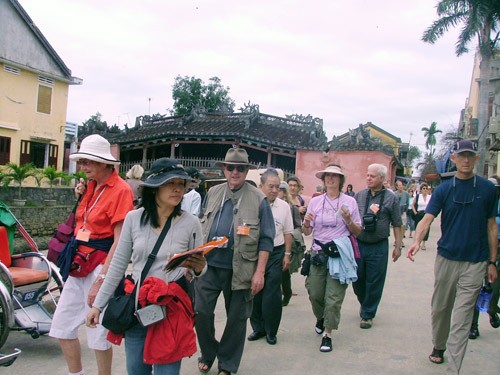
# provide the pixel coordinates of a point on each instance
(96, 148)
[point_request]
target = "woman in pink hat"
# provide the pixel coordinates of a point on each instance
(331, 218)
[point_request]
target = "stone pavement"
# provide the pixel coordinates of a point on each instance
(398, 343)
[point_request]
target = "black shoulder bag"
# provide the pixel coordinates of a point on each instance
(119, 316)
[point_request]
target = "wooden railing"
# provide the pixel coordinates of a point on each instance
(198, 163)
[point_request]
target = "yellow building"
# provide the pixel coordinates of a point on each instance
(34, 83)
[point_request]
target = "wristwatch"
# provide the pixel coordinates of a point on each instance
(490, 262)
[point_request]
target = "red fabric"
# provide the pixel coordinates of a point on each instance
(173, 338)
(112, 207)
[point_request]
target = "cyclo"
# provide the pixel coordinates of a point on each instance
(30, 287)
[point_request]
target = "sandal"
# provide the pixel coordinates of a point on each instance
(437, 356)
(204, 366)
(224, 372)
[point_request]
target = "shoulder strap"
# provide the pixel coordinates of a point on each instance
(156, 248)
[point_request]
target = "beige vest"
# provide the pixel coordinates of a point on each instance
(246, 252)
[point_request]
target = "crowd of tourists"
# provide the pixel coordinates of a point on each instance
(148, 222)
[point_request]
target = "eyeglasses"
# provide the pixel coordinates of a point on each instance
(468, 201)
(239, 168)
(84, 162)
(423, 188)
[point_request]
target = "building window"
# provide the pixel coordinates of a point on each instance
(39, 154)
(4, 150)
(44, 99)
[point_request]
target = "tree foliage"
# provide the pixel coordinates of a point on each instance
(414, 153)
(430, 137)
(94, 125)
(480, 19)
(191, 93)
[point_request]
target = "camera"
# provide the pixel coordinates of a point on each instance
(369, 222)
(151, 314)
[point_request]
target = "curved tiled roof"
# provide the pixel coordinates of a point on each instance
(257, 129)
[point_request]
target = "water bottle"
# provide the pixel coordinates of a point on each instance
(483, 301)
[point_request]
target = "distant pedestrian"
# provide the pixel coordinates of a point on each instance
(298, 245)
(191, 202)
(466, 252)
(294, 188)
(419, 205)
(134, 176)
(349, 191)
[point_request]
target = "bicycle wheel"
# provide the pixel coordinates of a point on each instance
(4, 320)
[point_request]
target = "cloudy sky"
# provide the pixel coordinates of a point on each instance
(347, 62)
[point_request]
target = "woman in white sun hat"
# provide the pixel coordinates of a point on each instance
(105, 201)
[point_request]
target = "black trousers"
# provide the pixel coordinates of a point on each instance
(267, 306)
(238, 304)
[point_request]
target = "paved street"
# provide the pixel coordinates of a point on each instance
(398, 343)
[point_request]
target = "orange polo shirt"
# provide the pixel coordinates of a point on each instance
(104, 210)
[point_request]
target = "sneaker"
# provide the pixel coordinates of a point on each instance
(320, 326)
(366, 324)
(474, 333)
(326, 344)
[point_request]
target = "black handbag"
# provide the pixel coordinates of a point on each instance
(119, 316)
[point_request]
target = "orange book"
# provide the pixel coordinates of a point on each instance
(177, 259)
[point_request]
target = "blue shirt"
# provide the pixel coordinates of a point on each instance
(464, 221)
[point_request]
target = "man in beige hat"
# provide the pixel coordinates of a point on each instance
(242, 213)
(105, 201)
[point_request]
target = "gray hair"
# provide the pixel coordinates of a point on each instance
(135, 172)
(267, 173)
(381, 169)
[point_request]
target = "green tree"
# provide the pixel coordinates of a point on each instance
(52, 174)
(479, 20)
(414, 153)
(19, 173)
(430, 135)
(192, 92)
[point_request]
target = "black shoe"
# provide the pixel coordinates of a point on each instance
(326, 344)
(494, 320)
(474, 333)
(320, 326)
(271, 339)
(255, 336)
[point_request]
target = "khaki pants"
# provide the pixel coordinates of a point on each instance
(456, 287)
(326, 295)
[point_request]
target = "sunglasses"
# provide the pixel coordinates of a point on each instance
(239, 168)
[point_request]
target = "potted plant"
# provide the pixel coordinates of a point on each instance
(51, 174)
(19, 173)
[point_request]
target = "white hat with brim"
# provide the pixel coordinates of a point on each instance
(96, 148)
(329, 169)
(236, 156)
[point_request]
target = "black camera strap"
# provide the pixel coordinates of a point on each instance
(368, 196)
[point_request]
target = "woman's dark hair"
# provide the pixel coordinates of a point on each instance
(349, 187)
(150, 214)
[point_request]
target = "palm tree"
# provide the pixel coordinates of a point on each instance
(480, 19)
(19, 173)
(430, 135)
